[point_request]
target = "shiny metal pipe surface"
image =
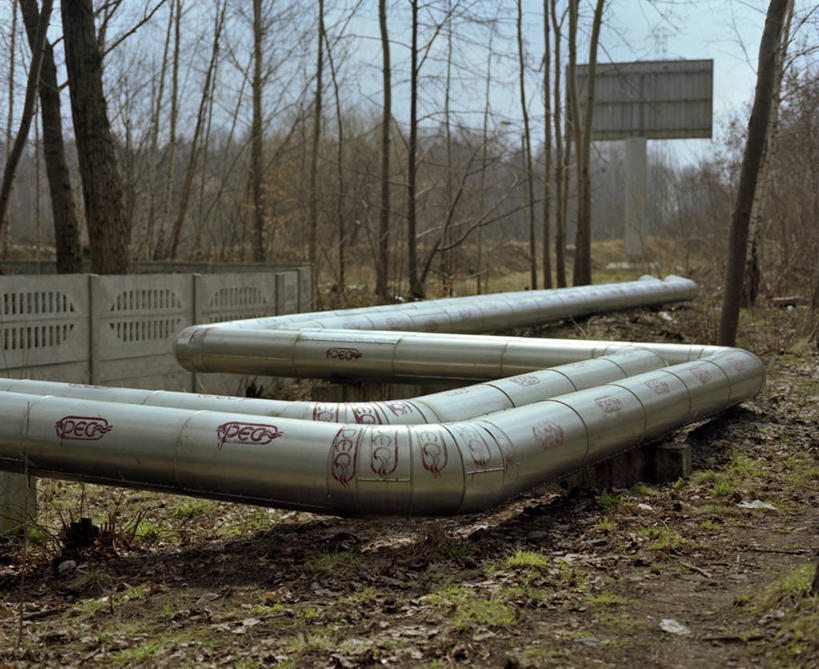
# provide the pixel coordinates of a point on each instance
(451, 405)
(458, 451)
(362, 469)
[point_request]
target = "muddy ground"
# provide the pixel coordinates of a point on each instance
(674, 575)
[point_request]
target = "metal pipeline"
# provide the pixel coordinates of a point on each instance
(446, 453)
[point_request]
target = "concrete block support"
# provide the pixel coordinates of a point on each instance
(652, 463)
(18, 498)
(671, 462)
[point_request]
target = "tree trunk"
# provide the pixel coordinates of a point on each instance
(197, 131)
(4, 224)
(339, 167)
(560, 218)
(382, 246)
(582, 252)
(101, 183)
(751, 159)
(156, 108)
(527, 153)
(256, 137)
(547, 151)
(312, 215)
(167, 194)
(64, 213)
(416, 287)
(753, 269)
(29, 107)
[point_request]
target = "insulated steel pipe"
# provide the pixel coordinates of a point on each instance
(433, 469)
(450, 405)
(453, 452)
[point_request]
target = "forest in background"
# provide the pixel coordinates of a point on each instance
(254, 131)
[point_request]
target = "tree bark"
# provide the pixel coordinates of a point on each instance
(751, 159)
(64, 213)
(527, 153)
(416, 287)
(547, 151)
(382, 261)
(312, 212)
(101, 183)
(167, 195)
(197, 131)
(256, 140)
(560, 209)
(29, 107)
(582, 252)
(339, 168)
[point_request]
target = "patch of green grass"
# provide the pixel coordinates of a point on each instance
(191, 508)
(149, 531)
(331, 562)
(708, 525)
(570, 575)
(137, 654)
(606, 524)
(526, 560)
(314, 640)
(643, 490)
(359, 597)
(471, 609)
(797, 613)
(609, 502)
(605, 599)
(664, 539)
(36, 535)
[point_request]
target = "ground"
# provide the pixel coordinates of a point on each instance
(674, 575)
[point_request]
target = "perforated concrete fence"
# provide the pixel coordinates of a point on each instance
(117, 331)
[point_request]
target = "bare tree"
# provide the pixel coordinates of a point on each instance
(382, 246)
(339, 165)
(29, 107)
(101, 184)
(64, 213)
(415, 286)
(582, 252)
(256, 135)
(4, 224)
(182, 210)
(527, 151)
(312, 215)
(176, 18)
(560, 167)
(751, 159)
(547, 152)
(753, 271)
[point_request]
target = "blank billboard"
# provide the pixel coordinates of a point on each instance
(663, 99)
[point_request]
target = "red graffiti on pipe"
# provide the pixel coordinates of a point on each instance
(548, 435)
(400, 408)
(383, 455)
(343, 354)
(609, 404)
(434, 456)
(343, 455)
(702, 375)
(659, 387)
(82, 428)
(256, 434)
(325, 413)
(366, 414)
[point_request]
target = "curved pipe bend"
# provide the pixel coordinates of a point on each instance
(477, 446)
(434, 469)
